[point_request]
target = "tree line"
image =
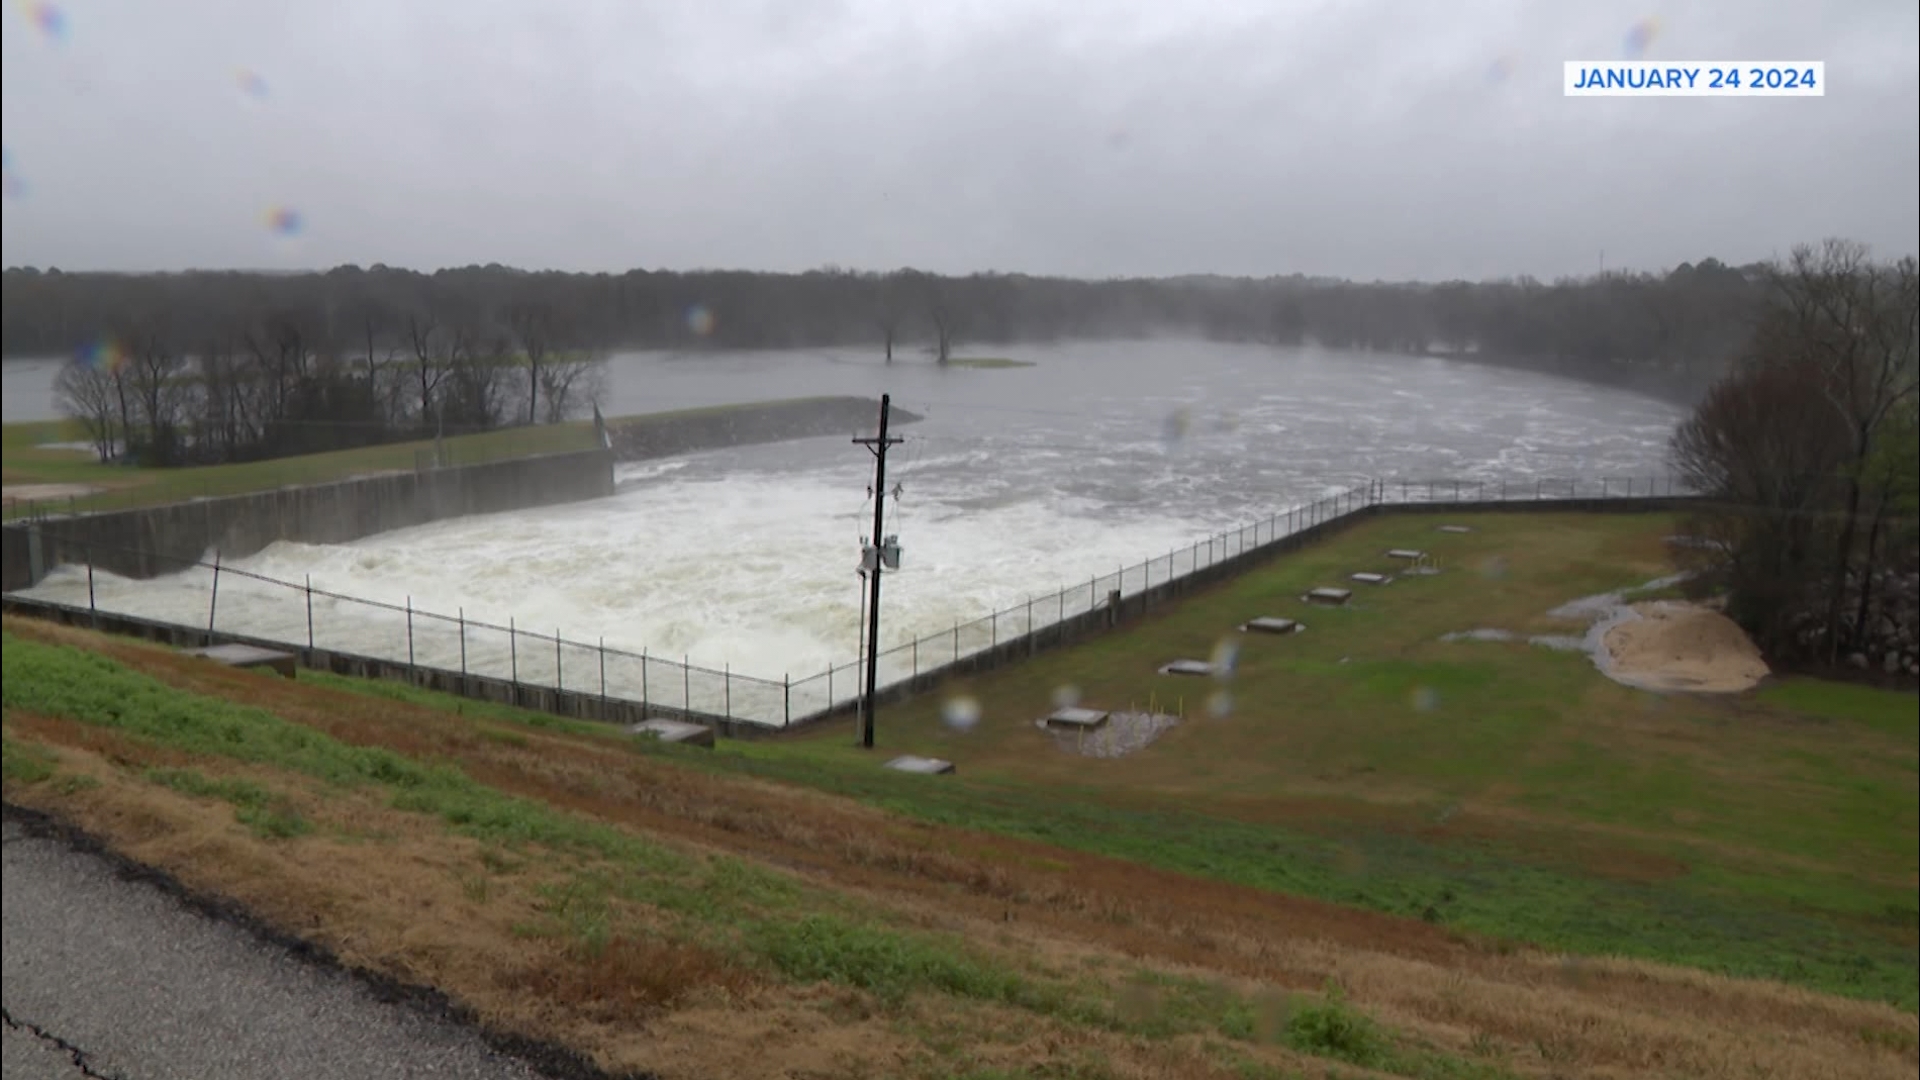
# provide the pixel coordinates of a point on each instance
(1808, 444)
(221, 365)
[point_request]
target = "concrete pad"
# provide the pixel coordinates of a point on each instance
(1370, 579)
(1271, 624)
(675, 731)
(1071, 719)
(1187, 667)
(248, 656)
(1328, 595)
(1455, 529)
(1405, 553)
(926, 766)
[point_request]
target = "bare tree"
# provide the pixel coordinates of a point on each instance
(570, 380)
(1860, 323)
(92, 391)
(532, 324)
(153, 372)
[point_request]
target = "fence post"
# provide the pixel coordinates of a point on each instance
(994, 632)
(309, 612)
(409, 631)
(513, 654)
(829, 686)
(213, 602)
(603, 677)
(916, 658)
(643, 682)
(726, 689)
(956, 633)
(558, 682)
(686, 685)
(786, 699)
(1029, 625)
(1060, 620)
(90, 604)
(463, 647)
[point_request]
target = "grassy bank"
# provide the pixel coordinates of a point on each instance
(604, 891)
(42, 453)
(1502, 788)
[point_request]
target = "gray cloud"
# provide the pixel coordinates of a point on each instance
(1363, 138)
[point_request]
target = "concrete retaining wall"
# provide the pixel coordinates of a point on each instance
(151, 541)
(638, 438)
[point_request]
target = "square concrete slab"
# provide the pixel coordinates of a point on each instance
(925, 765)
(1370, 579)
(1405, 553)
(1187, 667)
(1072, 719)
(248, 656)
(1271, 624)
(1328, 595)
(675, 731)
(1455, 529)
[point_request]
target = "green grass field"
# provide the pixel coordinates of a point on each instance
(1502, 789)
(41, 452)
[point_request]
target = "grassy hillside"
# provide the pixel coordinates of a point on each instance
(1391, 855)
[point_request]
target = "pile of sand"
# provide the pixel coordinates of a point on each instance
(1672, 646)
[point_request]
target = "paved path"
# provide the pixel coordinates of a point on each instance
(110, 977)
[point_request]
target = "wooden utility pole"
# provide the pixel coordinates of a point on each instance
(878, 445)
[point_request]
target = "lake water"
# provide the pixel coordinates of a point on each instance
(1018, 482)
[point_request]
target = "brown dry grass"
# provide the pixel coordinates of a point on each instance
(393, 892)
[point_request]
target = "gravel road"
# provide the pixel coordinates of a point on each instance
(106, 975)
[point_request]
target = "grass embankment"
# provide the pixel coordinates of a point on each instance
(45, 452)
(1505, 789)
(635, 901)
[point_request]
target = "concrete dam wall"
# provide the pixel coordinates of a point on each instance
(152, 541)
(638, 438)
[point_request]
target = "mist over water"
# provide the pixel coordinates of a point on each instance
(1017, 482)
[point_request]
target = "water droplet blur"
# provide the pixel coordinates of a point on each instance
(1425, 698)
(251, 84)
(15, 187)
(284, 221)
(1501, 69)
(1219, 704)
(1066, 696)
(960, 713)
(51, 21)
(1493, 568)
(1226, 654)
(104, 355)
(700, 320)
(1179, 422)
(1640, 37)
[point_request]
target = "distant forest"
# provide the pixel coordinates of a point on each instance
(204, 366)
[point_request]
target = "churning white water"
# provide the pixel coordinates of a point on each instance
(1018, 483)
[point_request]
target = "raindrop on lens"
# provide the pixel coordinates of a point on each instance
(960, 713)
(1425, 698)
(1226, 655)
(1219, 704)
(1066, 696)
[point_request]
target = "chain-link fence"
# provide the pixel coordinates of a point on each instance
(247, 604)
(843, 684)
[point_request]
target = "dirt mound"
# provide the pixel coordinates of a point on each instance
(1674, 646)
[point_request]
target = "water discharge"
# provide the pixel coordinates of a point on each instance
(1018, 482)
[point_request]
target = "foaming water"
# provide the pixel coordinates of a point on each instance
(1017, 483)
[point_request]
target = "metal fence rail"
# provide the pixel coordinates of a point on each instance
(244, 603)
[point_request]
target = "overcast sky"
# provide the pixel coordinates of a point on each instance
(1360, 138)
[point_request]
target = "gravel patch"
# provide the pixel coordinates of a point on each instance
(1122, 734)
